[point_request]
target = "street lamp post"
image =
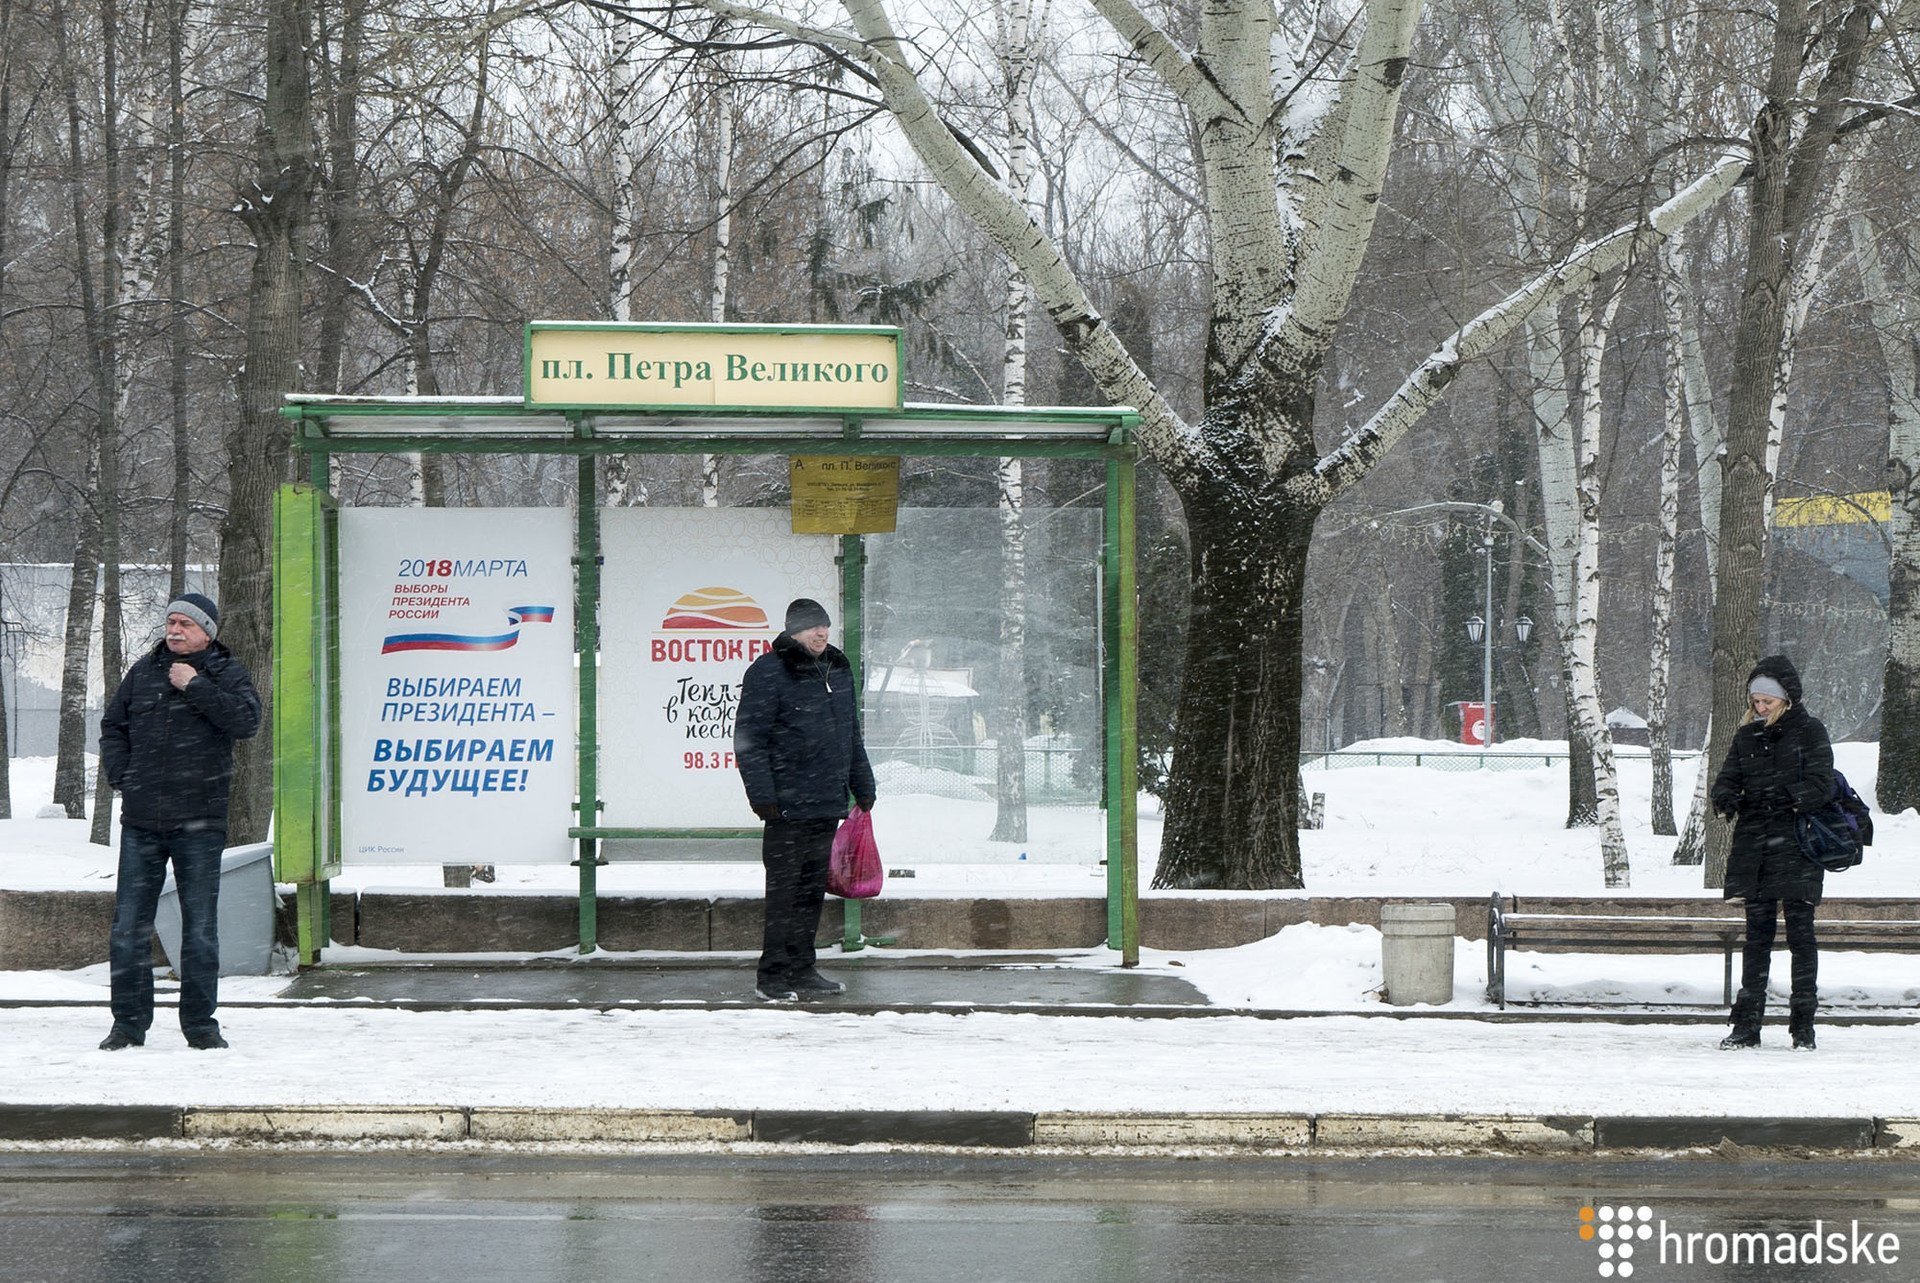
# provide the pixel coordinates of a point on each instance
(1480, 631)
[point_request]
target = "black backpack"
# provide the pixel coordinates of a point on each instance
(1834, 837)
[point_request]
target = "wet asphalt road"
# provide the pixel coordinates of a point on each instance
(477, 1217)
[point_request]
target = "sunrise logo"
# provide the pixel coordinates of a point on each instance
(1616, 1229)
(713, 609)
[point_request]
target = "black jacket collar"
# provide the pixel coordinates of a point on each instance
(797, 659)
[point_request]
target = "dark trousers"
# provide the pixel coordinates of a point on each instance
(1757, 959)
(144, 855)
(795, 854)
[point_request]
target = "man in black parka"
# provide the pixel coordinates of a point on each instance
(797, 742)
(166, 745)
(1779, 766)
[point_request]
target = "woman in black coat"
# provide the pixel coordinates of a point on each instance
(1779, 765)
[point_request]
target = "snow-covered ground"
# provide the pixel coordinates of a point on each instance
(1390, 831)
(1399, 831)
(767, 1059)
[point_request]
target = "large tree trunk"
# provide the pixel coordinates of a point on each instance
(1786, 184)
(274, 209)
(1893, 308)
(1232, 822)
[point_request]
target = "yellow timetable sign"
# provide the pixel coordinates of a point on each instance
(837, 367)
(853, 495)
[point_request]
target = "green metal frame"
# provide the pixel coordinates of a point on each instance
(307, 573)
(305, 733)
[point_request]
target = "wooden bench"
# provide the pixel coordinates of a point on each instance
(1628, 933)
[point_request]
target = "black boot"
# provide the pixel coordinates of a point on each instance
(1800, 1022)
(1749, 1005)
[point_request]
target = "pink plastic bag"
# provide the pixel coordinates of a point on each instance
(855, 871)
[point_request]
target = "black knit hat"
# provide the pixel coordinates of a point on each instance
(200, 609)
(804, 613)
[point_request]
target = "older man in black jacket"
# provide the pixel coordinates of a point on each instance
(166, 745)
(797, 740)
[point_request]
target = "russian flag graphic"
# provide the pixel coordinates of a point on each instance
(516, 616)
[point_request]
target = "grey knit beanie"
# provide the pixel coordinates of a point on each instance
(200, 609)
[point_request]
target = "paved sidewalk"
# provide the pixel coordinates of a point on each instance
(343, 1068)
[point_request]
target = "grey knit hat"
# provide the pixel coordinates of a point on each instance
(199, 609)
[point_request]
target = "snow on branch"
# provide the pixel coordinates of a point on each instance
(1351, 199)
(961, 173)
(1168, 61)
(1343, 466)
(1877, 108)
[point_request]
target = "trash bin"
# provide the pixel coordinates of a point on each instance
(1416, 952)
(246, 912)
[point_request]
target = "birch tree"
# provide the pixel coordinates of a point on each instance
(630, 74)
(1581, 639)
(1015, 37)
(721, 194)
(1673, 436)
(1292, 129)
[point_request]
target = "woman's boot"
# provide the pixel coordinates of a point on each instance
(1749, 1006)
(1800, 1022)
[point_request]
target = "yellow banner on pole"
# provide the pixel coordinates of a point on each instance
(848, 495)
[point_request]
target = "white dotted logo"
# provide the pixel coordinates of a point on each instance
(1614, 1229)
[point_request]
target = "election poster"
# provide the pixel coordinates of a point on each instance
(457, 709)
(691, 597)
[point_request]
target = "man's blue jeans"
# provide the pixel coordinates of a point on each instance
(195, 853)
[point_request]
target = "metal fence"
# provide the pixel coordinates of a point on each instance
(1455, 760)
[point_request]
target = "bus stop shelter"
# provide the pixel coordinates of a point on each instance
(319, 765)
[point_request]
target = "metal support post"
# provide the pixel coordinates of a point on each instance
(586, 634)
(1486, 646)
(1120, 626)
(853, 585)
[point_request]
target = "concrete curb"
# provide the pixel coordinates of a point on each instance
(1714, 1016)
(89, 1122)
(990, 1129)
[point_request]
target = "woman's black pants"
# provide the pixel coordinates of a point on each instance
(1757, 960)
